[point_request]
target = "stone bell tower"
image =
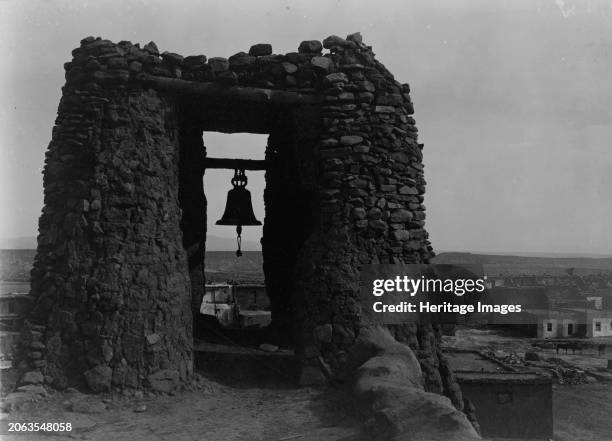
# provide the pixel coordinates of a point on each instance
(119, 266)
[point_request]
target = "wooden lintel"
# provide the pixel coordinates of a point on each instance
(233, 164)
(239, 93)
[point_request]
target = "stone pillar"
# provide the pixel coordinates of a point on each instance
(110, 278)
(370, 187)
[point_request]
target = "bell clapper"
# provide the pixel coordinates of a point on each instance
(239, 240)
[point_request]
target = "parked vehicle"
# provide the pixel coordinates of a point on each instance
(237, 306)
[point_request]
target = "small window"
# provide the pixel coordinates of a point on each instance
(11, 307)
(549, 327)
(610, 326)
(598, 326)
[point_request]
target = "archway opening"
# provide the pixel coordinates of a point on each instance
(257, 292)
(235, 308)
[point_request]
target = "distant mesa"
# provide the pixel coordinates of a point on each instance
(18, 243)
(216, 243)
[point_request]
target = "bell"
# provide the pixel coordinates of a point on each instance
(238, 208)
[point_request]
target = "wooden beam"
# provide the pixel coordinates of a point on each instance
(233, 164)
(239, 93)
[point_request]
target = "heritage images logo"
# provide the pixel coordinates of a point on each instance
(422, 289)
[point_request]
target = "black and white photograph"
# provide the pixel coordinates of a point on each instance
(291, 220)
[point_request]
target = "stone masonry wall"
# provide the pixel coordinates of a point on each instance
(111, 274)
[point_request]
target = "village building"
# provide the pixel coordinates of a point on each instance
(13, 308)
(507, 404)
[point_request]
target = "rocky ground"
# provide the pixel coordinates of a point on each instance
(212, 411)
(218, 409)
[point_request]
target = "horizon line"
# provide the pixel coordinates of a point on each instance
(542, 254)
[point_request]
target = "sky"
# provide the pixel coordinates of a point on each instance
(512, 98)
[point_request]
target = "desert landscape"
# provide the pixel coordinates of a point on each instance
(269, 406)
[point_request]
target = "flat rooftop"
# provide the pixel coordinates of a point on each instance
(472, 367)
(502, 377)
(472, 361)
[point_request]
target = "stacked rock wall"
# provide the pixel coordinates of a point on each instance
(119, 247)
(371, 186)
(110, 279)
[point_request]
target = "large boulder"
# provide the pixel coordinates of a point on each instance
(389, 390)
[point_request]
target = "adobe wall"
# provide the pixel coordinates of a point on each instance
(121, 244)
(524, 413)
